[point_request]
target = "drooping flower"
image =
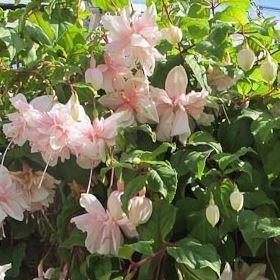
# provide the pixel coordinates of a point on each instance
(12, 199)
(94, 138)
(22, 121)
(3, 269)
(246, 58)
(38, 196)
(175, 107)
(134, 99)
(172, 34)
(103, 231)
(134, 37)
(108, 76)
(236, 200)
(140, 210)
(212, 213)
(268, 70)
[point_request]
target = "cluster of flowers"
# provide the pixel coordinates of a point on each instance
(24, 190)
(58, 130)
(104, 227)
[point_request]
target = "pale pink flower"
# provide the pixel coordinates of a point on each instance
(38, 196)
(175, 107)
(3, 269)
(12, 199)
(109, 75)
(134, 37)
(104, 235)
(92, 141)
(22, 121)
(134, 98)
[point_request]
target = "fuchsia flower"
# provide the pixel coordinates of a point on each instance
(134, 98)
(3, 269)
(134, 37)
(12, 200)
(107, 76)
(103, 229)
(93, 139)
(175, 107)
(22, 121)
(37, 196)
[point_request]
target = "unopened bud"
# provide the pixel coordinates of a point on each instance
(212, 213)
(75, 107)
(114, 205)
(236, 200)
(173, 34)
(140, 210)
(246, 59)
(136, 160)
(269, 70)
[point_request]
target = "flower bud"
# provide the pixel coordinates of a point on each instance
(212, 213)
(246, 59)
(269, 70)
(140, 210)
(114, 205)
(173, 34)
(236, 200)
(75, 107)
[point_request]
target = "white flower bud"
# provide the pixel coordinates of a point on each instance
(246, 59)
(173, 34)
(236, 200)
(212, 213)
(114, 205)
(140, 210)
(269, 70)
(75, 107)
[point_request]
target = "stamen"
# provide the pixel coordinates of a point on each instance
(90, 178)
(5, 153)
(45, 170)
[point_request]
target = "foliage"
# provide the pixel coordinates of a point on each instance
(45, 48)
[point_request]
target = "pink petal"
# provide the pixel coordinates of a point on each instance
(176, 81)
(180, 123)
(91, 204)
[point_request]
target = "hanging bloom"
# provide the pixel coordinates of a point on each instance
(114, 205)
(246, 59)
(92, 140)
(227, 273)
(12, 200)
(172, 34)
(134, 37)
(134, 99)
(175, 107)
(103, 231)
(236, 200)
(37, 196)
(3, 269)
(269, 70)
(94, 75)
(22, 121)
(212, 213)
(140, 210)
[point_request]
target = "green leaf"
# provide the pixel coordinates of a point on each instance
(77, 238)
(233, 14)
(193, 162)
(132, 188)
(196, 255)
(163, 179)
(160, 223)
(110, 5)
(199, 72)
(142, 247)
(99, 268)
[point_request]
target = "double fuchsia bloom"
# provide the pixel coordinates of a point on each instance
(22, 121)
(12, 200)
(134, 37)
(92, 139)
(107, 76)
(134, 99)
(175, 107)
(103, 227)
